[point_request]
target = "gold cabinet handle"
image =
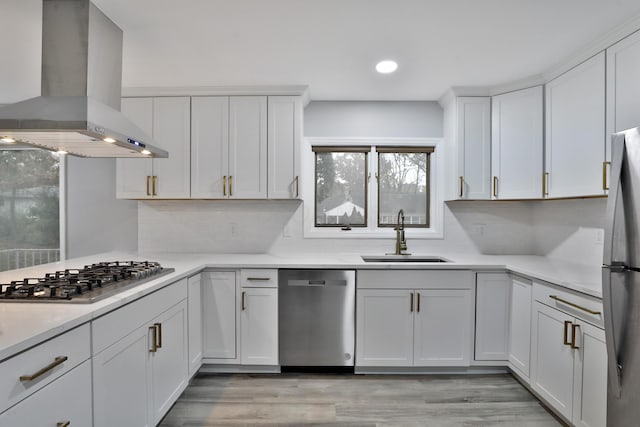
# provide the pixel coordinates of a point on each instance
(154, 180)
(461, 185)
(574, 305)
(224, 185)
(545, 184)
(243, 300)
(148, 179)
(63, 423)
(605, 184)
(159, 332)
(57, 361)
(418, 302)
(230, 186)
(495, 187)
(573, 337)
(298, 186)
(566, 332)
(258, 279)
(411, 302)
(154, 339)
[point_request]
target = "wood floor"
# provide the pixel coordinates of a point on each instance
(357, 401)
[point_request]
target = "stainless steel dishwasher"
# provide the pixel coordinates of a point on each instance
(316, 317)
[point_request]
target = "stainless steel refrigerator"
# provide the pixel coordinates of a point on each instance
(621, 281)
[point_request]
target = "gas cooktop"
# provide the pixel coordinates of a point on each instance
(86, 285)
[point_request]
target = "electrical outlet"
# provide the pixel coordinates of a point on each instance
(479, 229)
(234, 229)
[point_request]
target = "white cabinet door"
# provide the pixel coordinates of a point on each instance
(552, 358)
(194, 310)
(65, 400)
(131, 174)
(520, 326)
(121, 375)
(442, 327)
(172, 132)
(623, 86)
(575, 134)
(474, 147)
(219, 315)
(169, 364)
(284, 139)
(259, 326)
(384, 327)
(516, 144)
(209, 146)
(590, 378)
(247, 147)
(492, 316)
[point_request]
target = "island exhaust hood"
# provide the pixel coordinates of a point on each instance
(79, 110)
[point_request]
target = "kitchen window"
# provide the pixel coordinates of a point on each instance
(360, 184)
(29, 207)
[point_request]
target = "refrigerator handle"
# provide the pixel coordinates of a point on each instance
(617, 156)
(612, 354)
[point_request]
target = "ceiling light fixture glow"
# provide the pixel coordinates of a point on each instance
(386, 67)
(109, 140)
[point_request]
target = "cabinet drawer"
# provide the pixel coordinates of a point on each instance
(44, 362)
(67, 399)
(119, 323)
(259, 278)
(415, 279)
(581, 306)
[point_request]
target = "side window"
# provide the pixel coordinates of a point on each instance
(29, 208)
(341, 186)
(403, 183)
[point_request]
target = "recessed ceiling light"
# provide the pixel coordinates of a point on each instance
(147, 152)
(386, 67)
(8, 140)
(109, 140)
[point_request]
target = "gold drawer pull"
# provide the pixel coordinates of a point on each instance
(224, 185)
(495, 187)
(411, 303)
(545, 184)
(566, 333)
(579, 307)
(63, 423)
(298, 185)
(262, 279)
(148, 179)
(605, 185)
(154, 180)
(461, 181)
(57, 361)
(418, 304)
(154, 341)
(159, 329)
(230, 186)
(243, 301)
(573, 337)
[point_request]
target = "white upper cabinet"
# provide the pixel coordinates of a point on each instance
(166, 119)
(575, 134)
(516, 144)
(229, 147)
(623, 86)
(209, 146)
(285, 132)
(247, 147)
(474, 147)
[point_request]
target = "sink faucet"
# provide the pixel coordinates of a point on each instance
(401, 243)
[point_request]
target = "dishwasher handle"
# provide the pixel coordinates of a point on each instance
(307, 283)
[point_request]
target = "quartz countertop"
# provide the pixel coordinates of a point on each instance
(23, 325)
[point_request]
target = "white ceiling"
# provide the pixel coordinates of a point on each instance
(330, 45)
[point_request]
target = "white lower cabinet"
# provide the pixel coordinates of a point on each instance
(219, 316)
(194, 311)
(406, 327)
(259, 326)
(492, 316)
(138, 377)
(64, 402)
(569, 360)
(520, 327)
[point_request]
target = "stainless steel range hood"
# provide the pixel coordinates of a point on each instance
(79, 110)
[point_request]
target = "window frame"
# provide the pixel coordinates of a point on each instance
(372, 231)
(366, 150)
(62, 194)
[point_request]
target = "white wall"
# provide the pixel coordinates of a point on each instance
(96, 220)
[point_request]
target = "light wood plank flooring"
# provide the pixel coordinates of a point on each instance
(357, 401)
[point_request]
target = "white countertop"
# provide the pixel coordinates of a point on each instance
(23, 325)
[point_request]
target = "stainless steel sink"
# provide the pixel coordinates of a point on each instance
(403, 258)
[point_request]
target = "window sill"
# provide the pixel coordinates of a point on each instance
(366, 233)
